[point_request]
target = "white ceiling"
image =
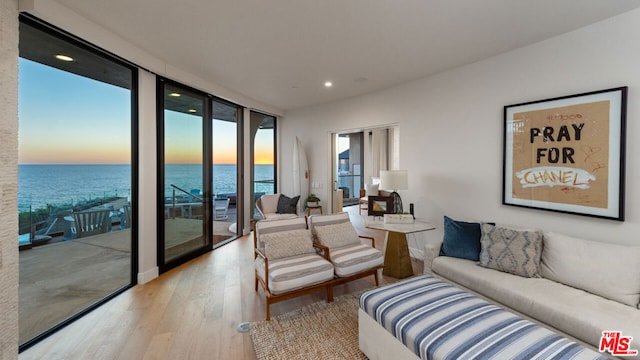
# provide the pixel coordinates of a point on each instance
(280, 52)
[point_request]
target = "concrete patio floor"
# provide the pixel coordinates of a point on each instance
(61, 278)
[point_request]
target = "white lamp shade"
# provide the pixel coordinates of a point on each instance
(394, 179)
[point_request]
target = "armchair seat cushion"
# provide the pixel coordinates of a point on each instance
(295, 272)
(352, 259)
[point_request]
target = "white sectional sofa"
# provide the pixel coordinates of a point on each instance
(577, 288)
(580, 291)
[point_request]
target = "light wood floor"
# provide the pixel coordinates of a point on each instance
(190, 312)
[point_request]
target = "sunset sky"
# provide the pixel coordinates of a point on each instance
(69, 119)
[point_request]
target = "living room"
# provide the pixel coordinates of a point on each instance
(451, 131)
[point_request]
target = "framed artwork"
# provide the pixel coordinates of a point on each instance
(380, 205)
(567, 154)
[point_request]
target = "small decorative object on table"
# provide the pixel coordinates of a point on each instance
(398, 219)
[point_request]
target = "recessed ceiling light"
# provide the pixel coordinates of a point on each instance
(328, 84)
(64, 57)
(174, 94)
(192, 110)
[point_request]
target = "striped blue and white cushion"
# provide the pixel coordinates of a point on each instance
(437, 320)
(295, 272)
(352, 259)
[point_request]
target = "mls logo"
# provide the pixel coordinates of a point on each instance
(616, 344)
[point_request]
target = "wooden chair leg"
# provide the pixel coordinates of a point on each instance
(268, 309)
(256, 285)
(375, 275)
(329, 293)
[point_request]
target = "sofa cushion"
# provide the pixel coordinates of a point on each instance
(609, 270)
(461, 239)
(575, 312)
(513, 251)
(287, 205)
(287, 243)
(336, 235)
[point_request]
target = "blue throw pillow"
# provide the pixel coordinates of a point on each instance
(461, 239)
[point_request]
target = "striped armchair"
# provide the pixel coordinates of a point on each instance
(351, 258)
(286, 262)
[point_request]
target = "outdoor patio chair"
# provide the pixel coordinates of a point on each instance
(125, 217)
(286, 262)
(87, 223)
(350, 257)
(220, 207)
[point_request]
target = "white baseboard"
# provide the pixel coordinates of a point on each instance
(145, 277)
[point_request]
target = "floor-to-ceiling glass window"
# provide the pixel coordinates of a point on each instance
(263, 156)
(76, 199)
(227, 190)
(185, 168)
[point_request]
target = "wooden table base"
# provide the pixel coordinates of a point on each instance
(397, 261)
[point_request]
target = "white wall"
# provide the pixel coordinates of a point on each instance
(451, 127)
(8, 179)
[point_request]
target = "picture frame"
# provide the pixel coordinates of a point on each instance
(379, 205)
(567, 154)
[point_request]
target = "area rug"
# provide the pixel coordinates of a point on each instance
(318, 331)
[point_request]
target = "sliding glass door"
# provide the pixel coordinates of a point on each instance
(198, 137)
(227, 190)
(76, 176)
(349, 169)
(185, 174)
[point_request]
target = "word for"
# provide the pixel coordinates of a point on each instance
(616, 344)
(555, 176)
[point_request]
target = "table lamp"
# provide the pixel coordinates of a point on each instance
(395, 180)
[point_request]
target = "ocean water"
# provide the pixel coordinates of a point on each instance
(57, 185)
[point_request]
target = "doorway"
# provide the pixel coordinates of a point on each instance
(357, 157)
(350, 161)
